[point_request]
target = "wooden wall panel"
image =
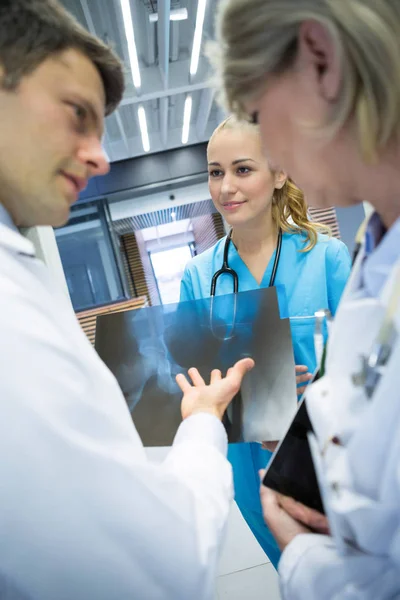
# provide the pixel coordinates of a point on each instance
(87, 318)
(133, 260)
(138, 267)
(151, 282)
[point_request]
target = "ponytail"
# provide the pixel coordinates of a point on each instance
(289, 212)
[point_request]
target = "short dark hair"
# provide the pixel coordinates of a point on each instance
(33, 30)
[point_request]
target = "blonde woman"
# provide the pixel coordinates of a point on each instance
(322, 77)
(261, 206)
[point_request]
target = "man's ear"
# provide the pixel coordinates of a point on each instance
(317, 57)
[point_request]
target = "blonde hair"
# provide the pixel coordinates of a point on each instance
(257, 39)
(289, 208)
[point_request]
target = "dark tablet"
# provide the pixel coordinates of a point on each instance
(291, 470)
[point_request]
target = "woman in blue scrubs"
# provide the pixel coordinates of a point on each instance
(258, 202)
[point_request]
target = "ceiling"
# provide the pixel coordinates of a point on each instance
(164, 217)
(164, 59)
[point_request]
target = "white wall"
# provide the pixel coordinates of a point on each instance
(108, 268)
(172, 241)
(350, 219)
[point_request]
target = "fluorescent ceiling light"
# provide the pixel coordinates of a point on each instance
(186, 119)
(176, 14)
(143, 129)
(198, 34)
(130, 37)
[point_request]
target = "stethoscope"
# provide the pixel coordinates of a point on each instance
(227, 270)
(321, 316)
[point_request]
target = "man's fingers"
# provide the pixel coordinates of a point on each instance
(215, 376)
(236, 373)
(196, 378)
(183, 383)
(233, 377)
(242, 367)
(301, 369)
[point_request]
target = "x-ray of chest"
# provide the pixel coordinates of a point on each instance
(145, 349)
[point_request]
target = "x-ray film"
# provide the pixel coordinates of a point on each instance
(145, 349)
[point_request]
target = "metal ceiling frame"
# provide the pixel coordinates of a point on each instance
(164, 75)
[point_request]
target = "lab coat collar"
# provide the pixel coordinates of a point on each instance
(6, 219)
(12, 240)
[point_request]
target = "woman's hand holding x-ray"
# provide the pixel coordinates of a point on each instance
(215, 397)
(302, 376)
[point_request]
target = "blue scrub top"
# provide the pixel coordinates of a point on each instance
(312, 280)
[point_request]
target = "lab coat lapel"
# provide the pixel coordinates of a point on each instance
(15, 242)
(354, 478)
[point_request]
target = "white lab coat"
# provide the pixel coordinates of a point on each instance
(360, 479)
(83, 514)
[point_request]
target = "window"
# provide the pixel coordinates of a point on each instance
(89, 257)
(168, 266)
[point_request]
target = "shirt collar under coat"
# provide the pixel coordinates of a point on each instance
(382, 251)
(11, 238)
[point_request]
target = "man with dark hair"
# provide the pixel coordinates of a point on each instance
(83, 514)
(33, 30)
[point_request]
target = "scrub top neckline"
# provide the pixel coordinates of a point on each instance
(234, 255)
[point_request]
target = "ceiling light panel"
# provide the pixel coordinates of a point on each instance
(130, 38)
(143, 129)
(187, 113)
(198, 36)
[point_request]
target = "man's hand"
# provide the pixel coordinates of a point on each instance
(302, 376)
(287, 518)
(215, 397)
